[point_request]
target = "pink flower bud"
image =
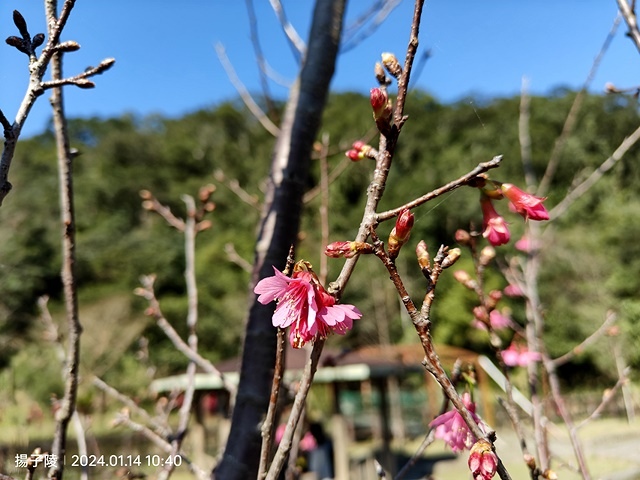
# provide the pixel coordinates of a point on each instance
(495, 228)
(483, 462)
(340, 249)
(379, 100)
(400, 233)
(347, 249)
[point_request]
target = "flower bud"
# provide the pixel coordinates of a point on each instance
(465, 279)
(145, 194)
(452, 257)
(462, 237)
(84, 83)
(493, 298)
(392, 65)
(68, 46)
(487, 254)
(347, 249)
(483, 462)
(400, 233)
(378, 71)
(21, 23)
(380, 103)
(204, 225)
(205, 192)
(423, 255)
(37, 40)
(480, 313)
(360, 150)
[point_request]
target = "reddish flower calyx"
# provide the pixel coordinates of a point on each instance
(483, 462)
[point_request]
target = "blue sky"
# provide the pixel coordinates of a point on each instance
(166, 61)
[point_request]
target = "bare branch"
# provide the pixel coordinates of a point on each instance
(154, 310)
(629, 15)
(608, 396)
(233, 185)
(572, 116)
(597, 174)
(161, 429)
(296, 42)
(248, 100)
(595, 336)
(356, 33)
(463, 180)
(257, 48)
(236, 258)
(65, 173)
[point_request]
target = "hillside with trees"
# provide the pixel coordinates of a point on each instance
(590, 258)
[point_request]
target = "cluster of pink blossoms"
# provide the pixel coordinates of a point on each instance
(304, 305)
(494, 226)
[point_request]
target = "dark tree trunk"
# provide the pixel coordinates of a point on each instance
(278, 230)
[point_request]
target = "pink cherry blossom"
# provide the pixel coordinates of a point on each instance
(304, 305)
(518, 355)
(494, 226)
(527, 205)
(451, 427)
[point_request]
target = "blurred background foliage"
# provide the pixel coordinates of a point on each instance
(591, 256)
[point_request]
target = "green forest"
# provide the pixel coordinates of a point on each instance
(591, 255)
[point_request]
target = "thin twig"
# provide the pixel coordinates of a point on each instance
(449, 187)
(154, 310)
(296, 410)
(235, 257)
(248, 100)
(65, 169)
(133, 407)
(595, 336)
(572, 116)
(356, 33)
(257, 49)
(233, 185)
(608, 396)
(184, 414)
(269, 424)
(124, 419)
(324, 207)
(597, 174)
(629, 15)
(296, 42)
